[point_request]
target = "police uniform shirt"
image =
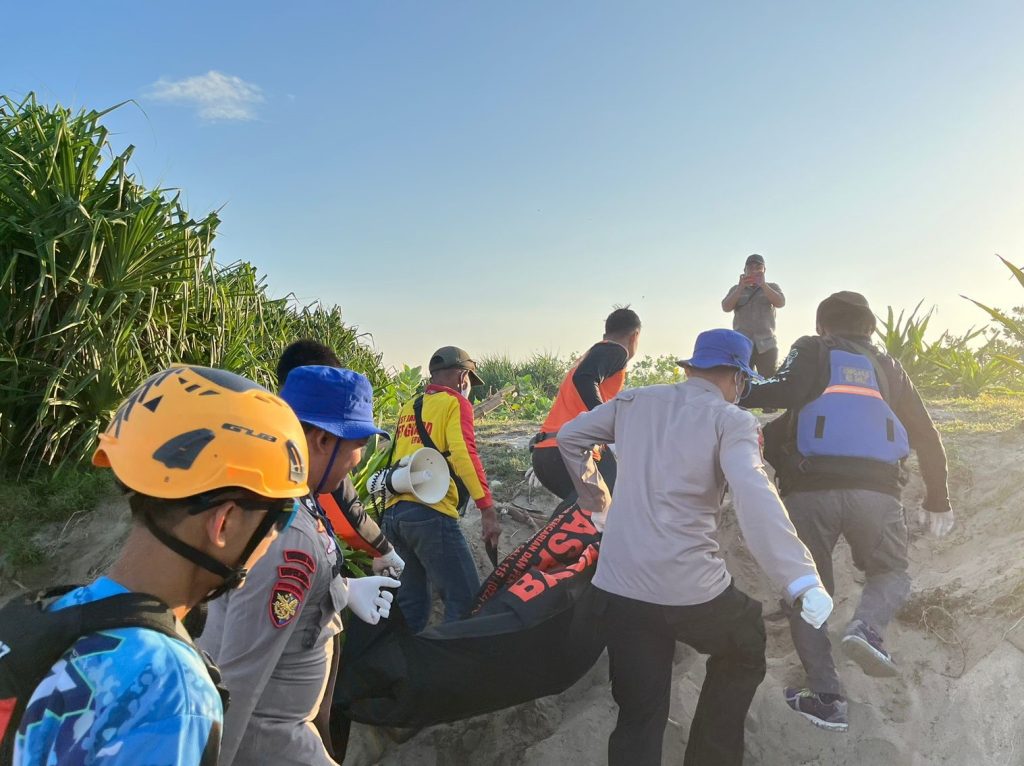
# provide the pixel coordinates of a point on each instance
(273, 641)
(677, 446)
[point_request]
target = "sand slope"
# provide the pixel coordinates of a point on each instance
(958, 700)
(958, 642)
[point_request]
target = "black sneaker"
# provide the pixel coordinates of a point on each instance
(864, 646)
(825, 715)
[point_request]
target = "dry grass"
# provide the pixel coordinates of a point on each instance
(985, 414)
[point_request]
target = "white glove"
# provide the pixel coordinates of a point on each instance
(367, 600)
(815, 606)
(390, 564)
(939, 524)
(532, 480)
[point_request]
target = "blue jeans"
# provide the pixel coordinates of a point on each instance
(435, 553)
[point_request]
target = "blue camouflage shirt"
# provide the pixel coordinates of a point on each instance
(127, 696)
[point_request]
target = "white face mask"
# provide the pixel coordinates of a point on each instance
(466, 386)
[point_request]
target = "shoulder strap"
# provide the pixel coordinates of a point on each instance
(824, 346)
(749, 298)
(41, 637)
(131, 610)
(421, 428)
(141, 610)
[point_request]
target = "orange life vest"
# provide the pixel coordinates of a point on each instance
(568, 404)
(342, 526)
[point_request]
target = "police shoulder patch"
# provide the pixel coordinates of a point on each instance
(285, 600)
(298, 574)
(293, 556)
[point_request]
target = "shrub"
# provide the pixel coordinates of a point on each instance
(545, 372)
(651, 371)
(103, 281)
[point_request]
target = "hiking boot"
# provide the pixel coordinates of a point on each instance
(864, 646)
(825, 715)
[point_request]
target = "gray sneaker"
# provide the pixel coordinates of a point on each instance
(832, 716)
(864, 646)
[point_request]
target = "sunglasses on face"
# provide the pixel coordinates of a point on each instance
(281, 510)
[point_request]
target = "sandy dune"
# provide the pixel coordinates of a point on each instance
(957, 642)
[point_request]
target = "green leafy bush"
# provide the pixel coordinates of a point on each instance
(534, 383)
(103, 281)
(1010, 324)
(954, 365)
(545, 372)
(651, 371)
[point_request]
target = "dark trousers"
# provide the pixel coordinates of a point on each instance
(641, 644)
(765, 362)
(550, 471)
(875, 527)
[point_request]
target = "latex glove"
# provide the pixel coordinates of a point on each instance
(367, 600)
(939, 524)
(390, 564)
(531, 479)
(815, 606)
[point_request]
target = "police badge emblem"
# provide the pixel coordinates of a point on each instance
(284, 604)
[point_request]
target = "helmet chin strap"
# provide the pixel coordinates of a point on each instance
(233, 576)
(327, 469)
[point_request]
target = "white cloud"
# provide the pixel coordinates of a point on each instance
(216, 96)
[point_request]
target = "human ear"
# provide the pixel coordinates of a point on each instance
(321, 441)
(218, 521)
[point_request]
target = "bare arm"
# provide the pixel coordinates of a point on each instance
(732, 297)
(774, 295)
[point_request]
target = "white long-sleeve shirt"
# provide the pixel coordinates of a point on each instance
(677, 446)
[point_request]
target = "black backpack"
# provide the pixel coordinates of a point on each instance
(32, 640)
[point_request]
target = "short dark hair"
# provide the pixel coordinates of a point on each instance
(170, 511)
(302, 353)
(621, 321)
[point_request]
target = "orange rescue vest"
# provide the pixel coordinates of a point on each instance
(568, 404)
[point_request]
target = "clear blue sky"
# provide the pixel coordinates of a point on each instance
(497, 175)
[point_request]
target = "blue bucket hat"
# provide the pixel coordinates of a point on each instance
(721, 348)
(333, 399)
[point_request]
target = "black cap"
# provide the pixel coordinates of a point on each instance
(846, 311)
(849, 298)
(754, 258)
(454, 358)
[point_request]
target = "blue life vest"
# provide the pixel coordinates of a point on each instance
(851, 418)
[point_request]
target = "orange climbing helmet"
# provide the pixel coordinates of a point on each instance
(189, 430)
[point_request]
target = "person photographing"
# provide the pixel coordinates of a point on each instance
(753, 302)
